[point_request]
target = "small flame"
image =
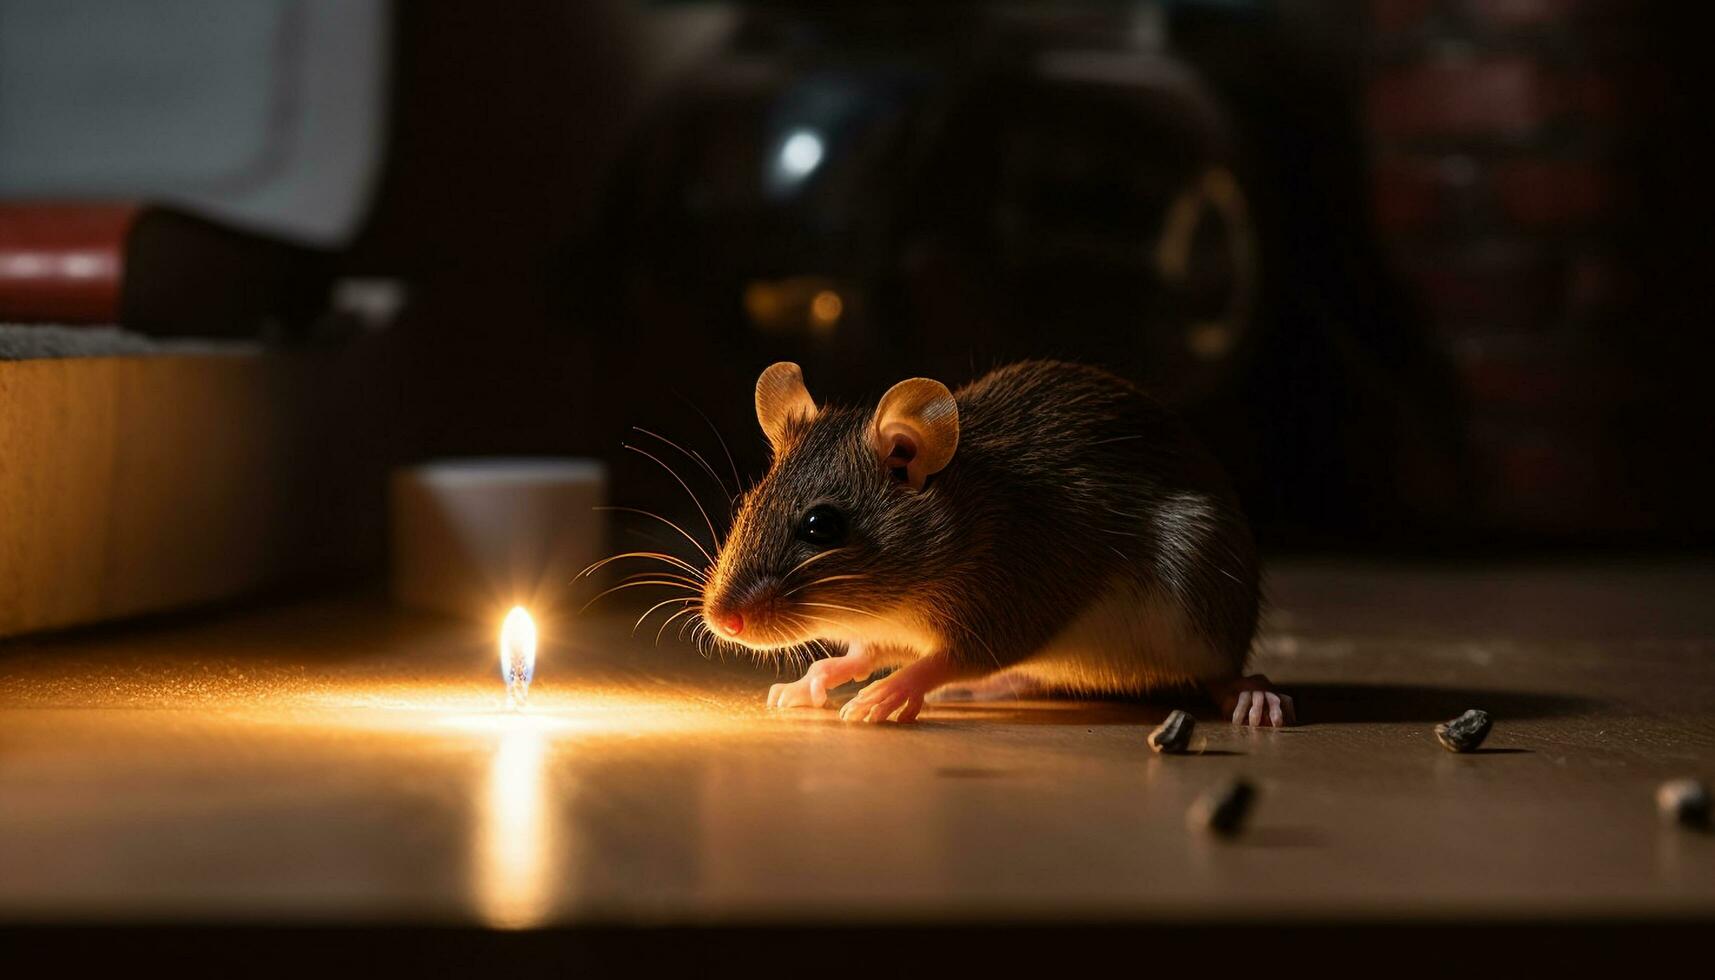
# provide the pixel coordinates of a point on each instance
(517, 655)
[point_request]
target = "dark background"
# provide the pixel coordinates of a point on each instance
(1478, 227)
(1459, 305)
(1427, 275)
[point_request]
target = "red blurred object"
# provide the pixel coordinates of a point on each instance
(63, 263)
(155, 270)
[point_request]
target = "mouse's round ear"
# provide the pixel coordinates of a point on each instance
(916, 430)
(782, 402)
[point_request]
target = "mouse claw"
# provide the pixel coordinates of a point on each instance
(888, 699)
(1254, 702)
(1241, 709)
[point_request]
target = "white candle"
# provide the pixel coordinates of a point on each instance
(474, 537)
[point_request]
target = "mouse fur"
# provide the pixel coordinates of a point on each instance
(1049, 523)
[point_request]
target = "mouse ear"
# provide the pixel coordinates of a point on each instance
(916, 430)
(782, 401)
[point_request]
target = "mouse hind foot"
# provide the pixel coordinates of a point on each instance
(1253, 701)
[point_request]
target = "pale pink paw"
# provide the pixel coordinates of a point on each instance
(893, 698)
(1252, 701)
(809, 691)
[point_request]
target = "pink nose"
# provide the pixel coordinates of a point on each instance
(732, 624)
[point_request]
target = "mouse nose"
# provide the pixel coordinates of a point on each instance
(732, 623)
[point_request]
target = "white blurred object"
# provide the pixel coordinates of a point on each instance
(474, 537)
(268, 115)
(374, 303)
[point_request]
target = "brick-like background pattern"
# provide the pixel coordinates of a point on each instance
(1533, 191)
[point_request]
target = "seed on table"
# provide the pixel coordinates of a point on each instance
(1173, 736)
(1223, 811)
(1684, 801)
(1465, 732)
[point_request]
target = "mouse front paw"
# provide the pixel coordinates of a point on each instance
(899, 696)
(811, 690)
(893, 698)
(1253, 701)
(805, 692)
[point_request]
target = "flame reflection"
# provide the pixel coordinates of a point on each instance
(516, 844)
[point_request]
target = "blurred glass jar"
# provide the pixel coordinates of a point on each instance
(876, 188)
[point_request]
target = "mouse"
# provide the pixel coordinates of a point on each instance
(1047, 528)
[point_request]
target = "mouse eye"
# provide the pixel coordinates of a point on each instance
(823, 526)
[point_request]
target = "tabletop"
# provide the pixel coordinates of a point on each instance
(340, 761)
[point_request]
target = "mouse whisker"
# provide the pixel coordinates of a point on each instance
(736, 482)
(633, 585)
(821, 581)
(978, 637)
(708, 641)
(818, 642)
(688, 610)
(731, 498)
(786, 656)
(714, 536)
(829, 605)
(973, 633)
(687, 535)
(693, 456)
(681, 579)
(664, 602)
(657, 555)
(806, 656)
(818, 556)
(808, 647)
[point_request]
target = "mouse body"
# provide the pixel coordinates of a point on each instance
(1048, 527)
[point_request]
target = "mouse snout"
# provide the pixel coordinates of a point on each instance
(729, 615)
(745, 614)
(730, 623)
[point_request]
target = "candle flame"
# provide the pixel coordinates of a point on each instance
(517, 654)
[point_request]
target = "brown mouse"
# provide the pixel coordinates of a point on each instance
(1049, 526)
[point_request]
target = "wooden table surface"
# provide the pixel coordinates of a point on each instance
(338, 762)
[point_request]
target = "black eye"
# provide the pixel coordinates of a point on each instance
(823, 526)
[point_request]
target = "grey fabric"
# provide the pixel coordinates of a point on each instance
(33, 341)
(264, 114)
